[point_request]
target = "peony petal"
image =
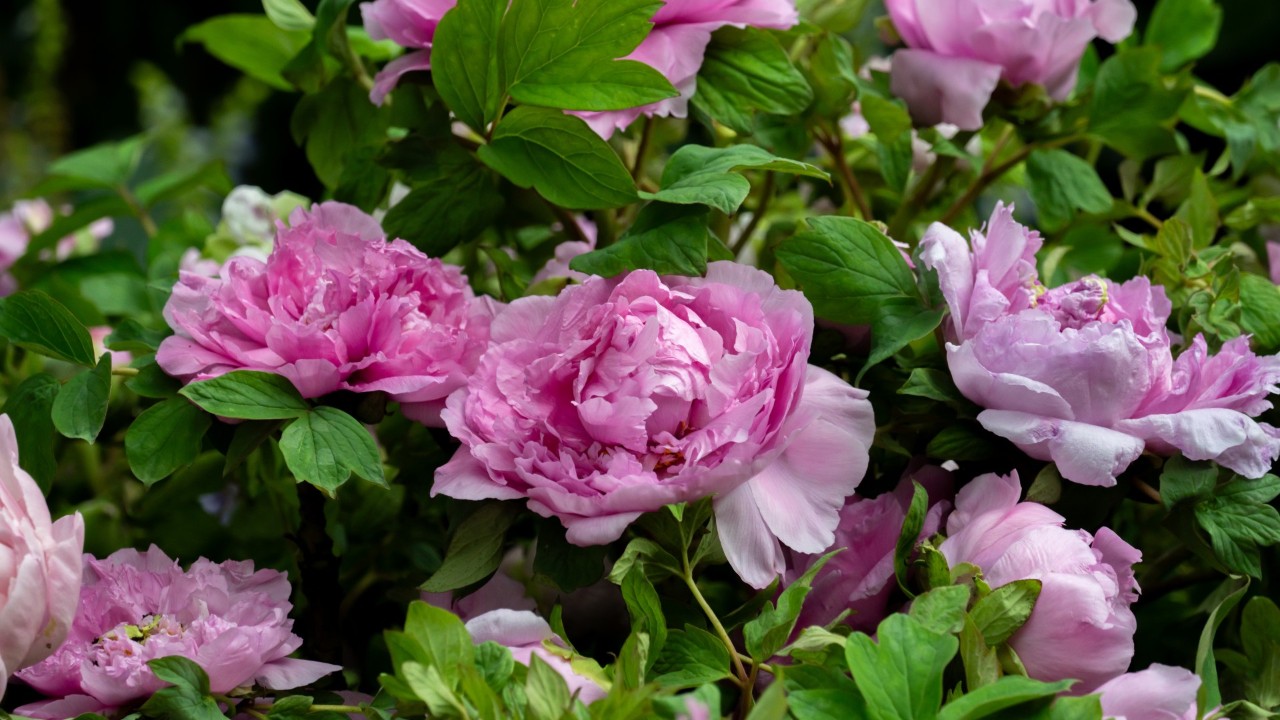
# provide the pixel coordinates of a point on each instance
(1161, 692)
(1087, 454)
(1228, 437)
(387, 79)
(750, 547)
(941, 89)
(290, 673)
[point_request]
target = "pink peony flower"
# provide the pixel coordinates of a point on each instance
(1081, 627)
(958, 51)
(334, 307)
(134, 607)
(861, 579)
(39, 566)
(408, 23)
(99, 334)
(27, 219)
(1083, 374)
(621, 396)
(558, 266)
(675, 47)
(1273, 256)
(1160, 692)
(525, 635)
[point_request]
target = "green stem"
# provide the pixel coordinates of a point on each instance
(766, 196)
(991, 174)
(834, 145)
(124, 371)
(739, 669)
(919, 196)
(148, 225)
(637, 166)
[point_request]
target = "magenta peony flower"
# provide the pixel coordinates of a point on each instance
(1081, 627)
(39, 566)
(1083, 374)
(861, 579)
(525, 635)
(334, 307)
(681, 31)
(136, 607)
(621, 396)
(1161, 692)
(958, 51)
(408, 23)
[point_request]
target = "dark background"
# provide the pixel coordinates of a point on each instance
(77, 72)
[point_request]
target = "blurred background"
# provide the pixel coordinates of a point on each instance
(77, 72)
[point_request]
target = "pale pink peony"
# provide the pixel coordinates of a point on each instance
(27, 219)
(335, 307)
(1082, 627)
(1273, 257)
(525, 634)
(1083, 374)
(135, 607)
(621, 396)
(958, 51)
(39, 566)
(675, 47)
(410, 24)
(861, 578)
(1161, 692)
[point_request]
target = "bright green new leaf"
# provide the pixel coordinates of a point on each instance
(900, 675)
(106, 165)
(746, 71)
(691, 657)
(933, 384)
(909, 535)
(248, 395)
(439, 638)
(560, 157)
(165, 437)
(476, 548)
(1239, 521)
(289, 14)
(464, 61)
(252, 44)
(1133, 107)
(546, 691)
(1184, 29)
(697, 175)
(81, 406)
(1008, 692)
(768, 633)
(1061, 183)
(942, 609)
(645, 608)
(35, 321)
(325, 446)
(999, 615)
(1260, 311)
(1227, 596)
(563, 54)
(188, 696)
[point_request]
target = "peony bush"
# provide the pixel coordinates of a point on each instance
(679, 359)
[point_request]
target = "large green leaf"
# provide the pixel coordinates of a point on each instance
(900, 673)
(325, 446)
(164, 438)
(1184, 29)
(560, 157)
(35, 321)
(464, 61)
(452, 200)
(250, 43)
(712, 176)
(475, 549)
(746, 71)
(248, 395)
(665, 238)
(1133, 107)
(1061, 183)
(81, 407)
(29, 406)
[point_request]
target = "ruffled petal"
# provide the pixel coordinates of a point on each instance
(1087, 454)
(941, 89)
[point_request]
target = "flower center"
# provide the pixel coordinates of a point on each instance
(1076, 304)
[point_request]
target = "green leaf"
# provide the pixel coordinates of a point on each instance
(440, 636)
(1061, 183)
(560, 157)
(152, 382)
(962, 442)
(669, 239)
(211, 176)
(290, 707)
(900, 674)
(1260, 638)
(909, 535)
(63, 225)
(825, 704)
(475, 549)
(546, 690)
(33, 320)
(745, 71)
(691, 657)
(766, 634)
(453, 199)
(1260, 311)
(81, 407)
(289, 14)
(562, 54)
(570, 567)
(188, 698)
(981, 662)
(1008, 692)
(1183, 479)
(325, 446)
(712, 176)
(464, 61)
(29, 407)
(832, 76)
(252, 44)
(942, 609)
(165, 437)
(933, 384)
(1227, 596)
(1133, 108)
(105, 165)
(645, 609)
(1238, 522)
(847, 268)
(334, 124)
(999, 615)
(1184, 29)
(900, 322)
(248, 395)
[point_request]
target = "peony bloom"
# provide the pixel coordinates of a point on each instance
(408, 23)
(621, 396)
(525, 635)
(1273, 257)
(1083, 374)
(1081, 627)
(861, 578)
(675, 47)
(39, 566)
(958, 51)
(558, 266)
(334, 307)
(134, 607)
(1161, 692)
(27, 219)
